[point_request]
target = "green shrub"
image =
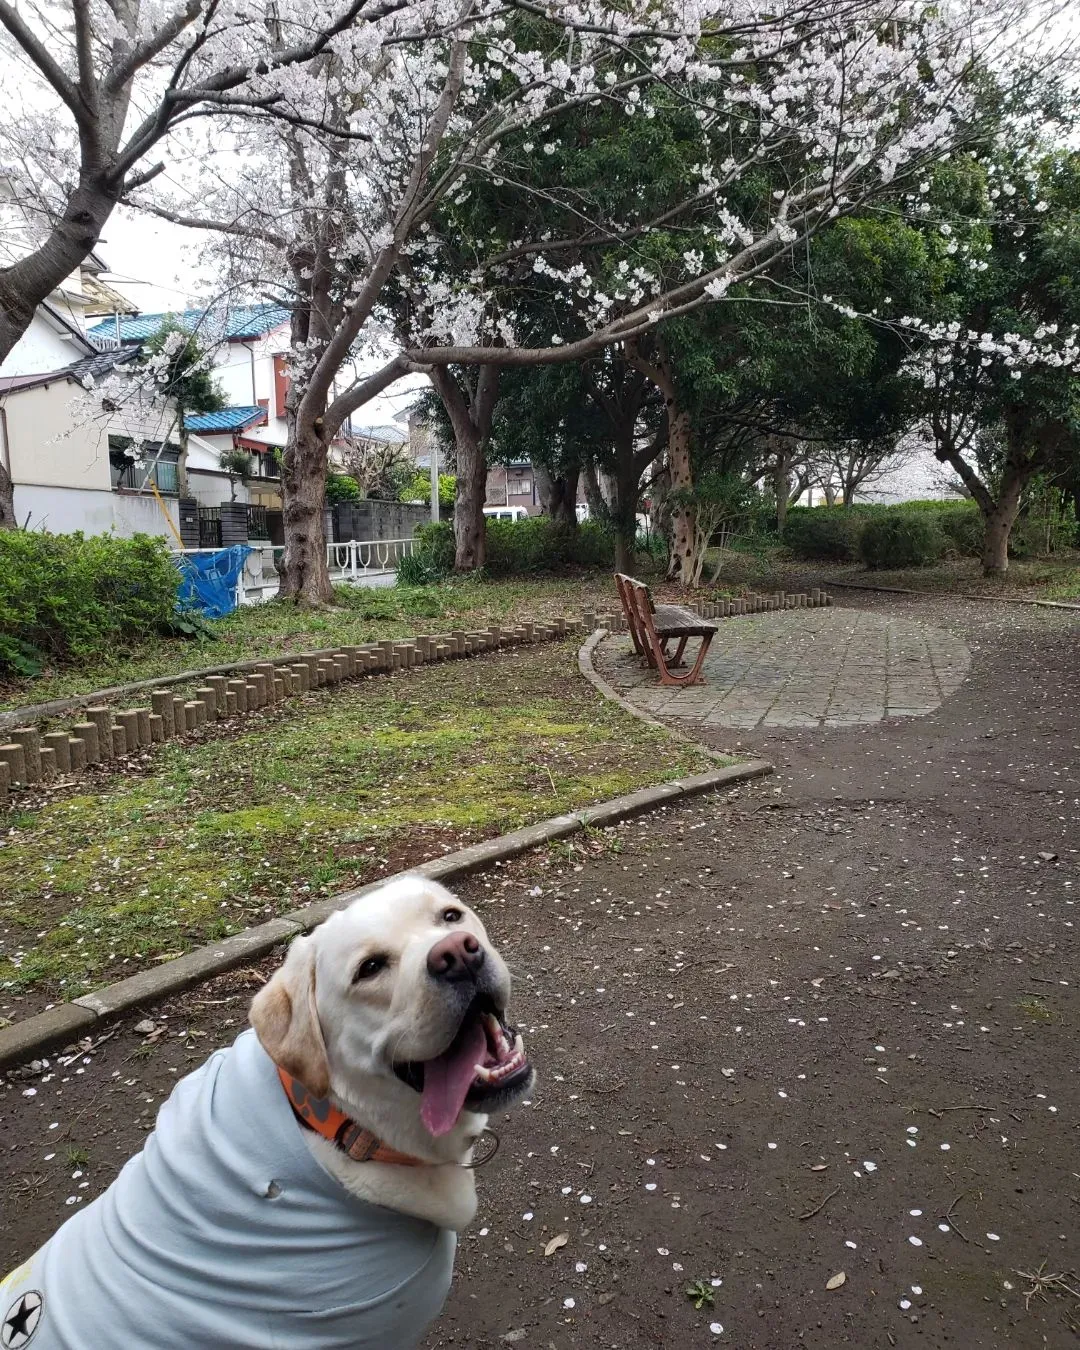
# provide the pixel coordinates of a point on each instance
(962, 525)
(514, 548)
(899, 538)
(418, 569)
(827, 532)
(1047, 525)
(341, 487)
(67, 597)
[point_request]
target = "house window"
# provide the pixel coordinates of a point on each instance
(132, 468)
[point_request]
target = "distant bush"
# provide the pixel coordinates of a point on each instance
(825, 532)
(69, 597)
(899, 538)
(514, 548)
(961, 523)
(341, 487)
(1048, 524)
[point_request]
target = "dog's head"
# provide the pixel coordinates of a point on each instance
(403, 985)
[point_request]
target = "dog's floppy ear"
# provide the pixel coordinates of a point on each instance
(286, 1019)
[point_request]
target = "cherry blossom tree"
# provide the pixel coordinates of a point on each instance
(1001, 366)
(800, 112)
(103, 86)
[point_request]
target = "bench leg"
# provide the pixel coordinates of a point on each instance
(693, 676)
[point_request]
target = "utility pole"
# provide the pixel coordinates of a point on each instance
(434, 482)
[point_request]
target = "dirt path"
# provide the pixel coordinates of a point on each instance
(848, 993)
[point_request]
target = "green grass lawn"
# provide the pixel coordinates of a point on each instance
(323, 792)
(364, 614)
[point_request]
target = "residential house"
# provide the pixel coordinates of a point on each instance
(513, 484)
(249, 345)
(82, 436)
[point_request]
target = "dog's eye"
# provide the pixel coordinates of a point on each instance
(452, 916)
(366, 969)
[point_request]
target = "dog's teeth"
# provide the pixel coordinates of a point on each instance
(483, 1073)
(519, 1045)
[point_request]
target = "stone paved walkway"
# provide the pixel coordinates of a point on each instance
(803, 668)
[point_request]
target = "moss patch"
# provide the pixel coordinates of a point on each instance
(311, 798)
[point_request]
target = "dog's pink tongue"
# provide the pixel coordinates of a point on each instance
(447, 1079)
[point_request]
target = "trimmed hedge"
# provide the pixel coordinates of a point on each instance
(901, 539)
(825, 532)
(836, 533)
(514, 548)
(67, 597)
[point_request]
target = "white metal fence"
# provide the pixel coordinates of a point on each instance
(356, 561)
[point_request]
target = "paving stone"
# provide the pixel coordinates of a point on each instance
(806, 666)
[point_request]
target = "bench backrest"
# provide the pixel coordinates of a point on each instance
(637, 603)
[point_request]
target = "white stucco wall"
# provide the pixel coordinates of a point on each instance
(211, 489)
(41, 348)
(55, 439)
(63, 510)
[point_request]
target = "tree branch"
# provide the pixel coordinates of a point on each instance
(263, 236)
(40, 56)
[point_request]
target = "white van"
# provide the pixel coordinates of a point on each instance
(506, 513)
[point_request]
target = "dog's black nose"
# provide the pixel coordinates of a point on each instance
(457, 957)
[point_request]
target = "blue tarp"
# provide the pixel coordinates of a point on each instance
(208, 580)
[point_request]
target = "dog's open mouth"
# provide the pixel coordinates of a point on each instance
(483, 1067)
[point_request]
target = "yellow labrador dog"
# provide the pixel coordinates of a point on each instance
(303, 1188)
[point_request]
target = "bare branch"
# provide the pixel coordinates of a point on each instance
(40, 56)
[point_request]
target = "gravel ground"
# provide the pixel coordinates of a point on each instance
(822, 1025)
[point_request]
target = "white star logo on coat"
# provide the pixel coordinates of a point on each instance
(21, 1321)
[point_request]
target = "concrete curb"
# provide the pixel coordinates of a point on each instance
(957, 595)
(60, 1025)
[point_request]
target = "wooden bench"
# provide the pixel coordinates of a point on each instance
(653, 627)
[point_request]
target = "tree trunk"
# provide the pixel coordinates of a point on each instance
(683, 515)
(71, 239)
(558, 493)
(304, 576)
(782, 486)
(7, 500)
(998, 523)
(470, 529)
(998, 516)
(624, 508)
(470, 406)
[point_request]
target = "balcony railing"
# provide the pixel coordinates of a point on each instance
(132, 476)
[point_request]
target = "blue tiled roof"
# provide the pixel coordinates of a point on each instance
(225, 419)
(242, 321)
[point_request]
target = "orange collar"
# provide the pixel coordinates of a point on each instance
(320, 1115)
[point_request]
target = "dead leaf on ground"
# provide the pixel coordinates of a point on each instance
(560, 1240)
(836, 1280)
